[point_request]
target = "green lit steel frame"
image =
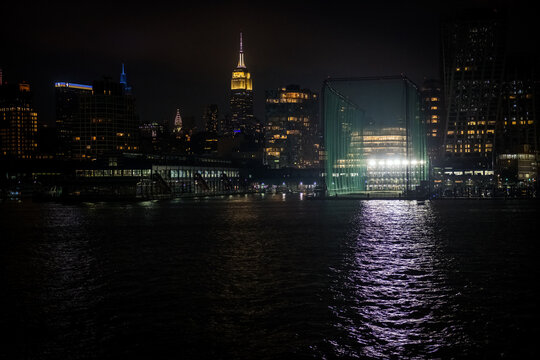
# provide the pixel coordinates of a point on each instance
(374, 136)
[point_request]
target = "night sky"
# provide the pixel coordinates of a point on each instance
(180, 55)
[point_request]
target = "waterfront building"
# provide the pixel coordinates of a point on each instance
(140, 176)
(473, 47)
(18, 122)
(291, 128)
(241, 101)
(106, 122)
(374, 137)
(517, 138)
(67, 111)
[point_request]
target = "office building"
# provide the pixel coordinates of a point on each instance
(67, 112)
(291, 128)
(18, 122)
(106, 122)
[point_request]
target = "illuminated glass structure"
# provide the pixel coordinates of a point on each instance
(375, 139)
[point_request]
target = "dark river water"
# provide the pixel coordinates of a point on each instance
(269, 278)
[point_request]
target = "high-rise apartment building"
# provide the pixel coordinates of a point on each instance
(18, 122)
(291, 133)
(473, 47)
(241, 101)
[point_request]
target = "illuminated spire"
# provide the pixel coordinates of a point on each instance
(241, 63)
(123, 77)
(177, 121)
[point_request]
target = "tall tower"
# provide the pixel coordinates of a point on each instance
(123, 81)
(242, 97)
(177, 122)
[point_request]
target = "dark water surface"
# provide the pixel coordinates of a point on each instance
(266, 278)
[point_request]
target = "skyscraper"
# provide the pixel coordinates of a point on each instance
(123, 82)
(291, 128)
(473, 46)
(18, 122)
(106, 122)
(210, 118)
(177, 127)
(67, 112)
(242, 98)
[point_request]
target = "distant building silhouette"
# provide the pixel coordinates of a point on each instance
(210, 118)
(18, 122)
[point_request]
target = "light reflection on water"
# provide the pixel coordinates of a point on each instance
(269, 277)
(393, 283)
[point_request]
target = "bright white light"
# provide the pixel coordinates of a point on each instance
(372, 162)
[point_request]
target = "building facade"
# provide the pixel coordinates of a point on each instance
(106, 122)
(67, 110)
(291, 131)
(211, 118)
(473, 47)
(517, 137)
(18, 122)
(432, 109)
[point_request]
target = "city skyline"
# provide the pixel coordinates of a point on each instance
(186, 64)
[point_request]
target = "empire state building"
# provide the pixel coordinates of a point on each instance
(242, 97)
